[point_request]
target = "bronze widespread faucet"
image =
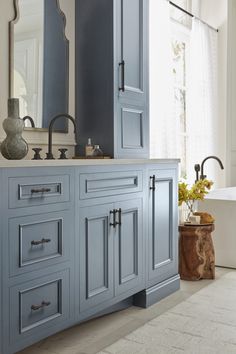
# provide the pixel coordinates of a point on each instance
(198, 169)
(49, 155)
(30, 119)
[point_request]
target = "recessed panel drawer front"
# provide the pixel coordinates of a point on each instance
(110, 183)
(38, 241)
(42, 190)
(38, 304)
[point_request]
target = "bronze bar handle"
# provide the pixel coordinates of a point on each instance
(113, 223)
(153, 185)
(41, 242)
(38, 307)
(119, 211)
(43, 190)
(122, 66)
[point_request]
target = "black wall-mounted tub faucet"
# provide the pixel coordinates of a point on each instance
(198, 169)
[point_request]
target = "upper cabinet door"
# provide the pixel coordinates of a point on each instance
(132, 49)
(131, 79)
(112, 76)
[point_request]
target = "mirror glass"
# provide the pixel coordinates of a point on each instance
(39, 61)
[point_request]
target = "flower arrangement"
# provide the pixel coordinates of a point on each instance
(197, 192)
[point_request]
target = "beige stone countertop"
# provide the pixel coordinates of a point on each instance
(83, 162)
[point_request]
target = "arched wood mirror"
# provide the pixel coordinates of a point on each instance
(39, 61)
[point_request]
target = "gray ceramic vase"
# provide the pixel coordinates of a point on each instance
(14, 147)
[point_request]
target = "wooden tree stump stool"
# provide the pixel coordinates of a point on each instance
(196, 252)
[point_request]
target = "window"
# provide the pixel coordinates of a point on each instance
(181, 25)
(169, 35)
(184, 120)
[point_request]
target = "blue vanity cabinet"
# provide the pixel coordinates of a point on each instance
(112, 76)
(80, 241)
(37, 254)
(163, 225)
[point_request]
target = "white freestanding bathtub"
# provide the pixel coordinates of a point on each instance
(221, 203)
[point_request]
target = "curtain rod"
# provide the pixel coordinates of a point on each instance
(190, 14)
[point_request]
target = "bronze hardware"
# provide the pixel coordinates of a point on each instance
(119, 211)
(153, 184)
(31, 121)
(199, 168)
(189, 14)
(38, 307)
(42, 242)
(37, 154)
(113, 212)
(43, 190)
(63, 154)
(49, 154)
(122, 66)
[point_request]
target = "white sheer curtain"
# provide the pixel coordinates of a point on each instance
(163, 124)
(202, 101)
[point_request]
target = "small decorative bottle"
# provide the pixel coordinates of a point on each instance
(89, 148)
(97, 151)
(14, 147)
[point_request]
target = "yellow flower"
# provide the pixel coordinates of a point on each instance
(196, 192)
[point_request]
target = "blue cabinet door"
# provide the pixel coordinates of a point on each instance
(96, 255)
(163, 227)
(132, 78)
(129, 246)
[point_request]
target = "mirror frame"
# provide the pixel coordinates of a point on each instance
(12, 23)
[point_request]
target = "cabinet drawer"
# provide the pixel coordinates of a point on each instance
(94, 185)
(39, 304)
(42, 190)
(39, 241)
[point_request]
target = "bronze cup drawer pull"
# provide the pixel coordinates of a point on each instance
(41, 242)
(119, 211)
(42, 190)
(113, 223)
(153, 183)
(41, 306)
(114, 212)
(122, 66)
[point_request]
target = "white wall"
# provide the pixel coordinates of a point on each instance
(215, 13)
(37, 138)
(231, 97)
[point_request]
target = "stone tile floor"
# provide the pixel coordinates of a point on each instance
(95, 335)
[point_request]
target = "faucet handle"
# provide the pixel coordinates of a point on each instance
(203, 177)
(197, 170)
(49, 156)
(63, 154)
(37, 154)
